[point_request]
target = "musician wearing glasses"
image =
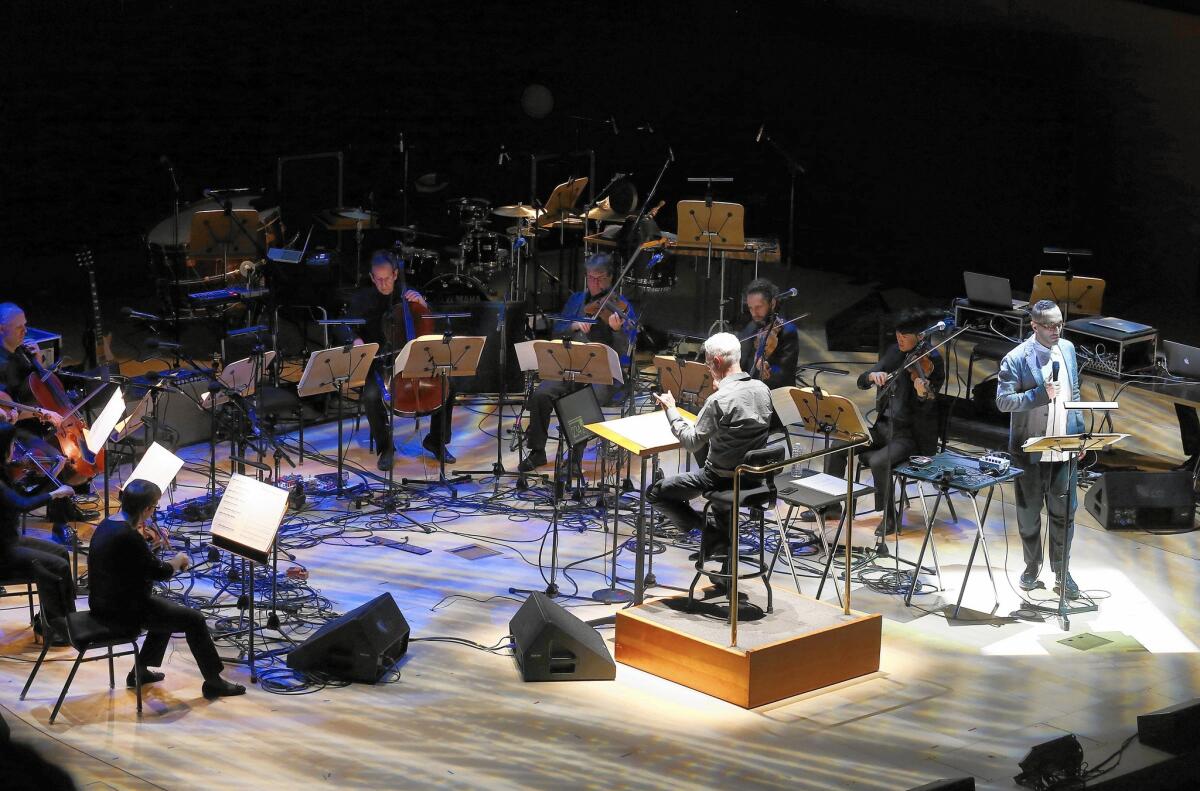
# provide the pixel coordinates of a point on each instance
(1036, 379)
(613, 322)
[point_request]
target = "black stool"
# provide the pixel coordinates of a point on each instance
(758, 495)
(86, 633)
(10, 582)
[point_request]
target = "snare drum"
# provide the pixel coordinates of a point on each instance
(472, 211)
(656, 280)
(485, 253)
(419, 264)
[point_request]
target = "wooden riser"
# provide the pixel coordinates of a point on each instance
(803, 645)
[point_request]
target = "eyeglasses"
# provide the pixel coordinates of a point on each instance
(1058, 325)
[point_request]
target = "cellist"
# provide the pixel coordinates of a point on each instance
(16, 364)
(375, 303)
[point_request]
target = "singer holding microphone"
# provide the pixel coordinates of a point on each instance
(1036, 378)
(770, 346)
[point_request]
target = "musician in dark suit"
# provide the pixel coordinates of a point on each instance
(778, 368)
(123, 569)
(375, 303)
(48, 564)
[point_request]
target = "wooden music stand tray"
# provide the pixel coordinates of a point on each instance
(721, 226)
(435, 355)
(340, 368)
(834, 415)
(215, 234)
(1081, 296)
(691, 383)
(645, 436)
(561, 201)
(560, 361)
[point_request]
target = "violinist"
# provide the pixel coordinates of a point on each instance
(615, 325)
(906, 421)
(46, 563)
(770, 348)
(375, 303)
(17, 362)
(123, 567)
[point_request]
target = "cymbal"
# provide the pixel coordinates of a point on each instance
(604, 214)
(517, 210)
(358, 214)
(409, 229)
(514, 231)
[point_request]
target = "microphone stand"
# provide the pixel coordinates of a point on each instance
(794, 168)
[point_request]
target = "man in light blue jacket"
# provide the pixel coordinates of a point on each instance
(1036, 379)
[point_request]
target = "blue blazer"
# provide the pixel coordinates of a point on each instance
(1022, 393)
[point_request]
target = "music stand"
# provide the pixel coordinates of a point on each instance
(442, 356)
(835, 417)
(689, 381)
(337, 370)
(217, 233)
(1072, 445)
(710, 225)
(569, 361)
(238, 378)
(562, 199)
(1081, 296)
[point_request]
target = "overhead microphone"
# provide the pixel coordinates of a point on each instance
(758, 137)
(612, 121)
(791, 292)
(670, 153)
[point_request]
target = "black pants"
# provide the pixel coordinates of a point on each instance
(161, 618)
(887, 449)
(672, 497)
(541, 408)
(377, 416)
(47, 564)
(1043, 484)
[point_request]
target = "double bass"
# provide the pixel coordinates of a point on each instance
(412, 397)
(48, 391)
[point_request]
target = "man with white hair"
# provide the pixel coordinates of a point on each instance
(1036, 379)
(733, 421)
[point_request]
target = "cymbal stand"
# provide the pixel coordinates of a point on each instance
(721, 325)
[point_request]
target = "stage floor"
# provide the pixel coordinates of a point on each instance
(951, 697)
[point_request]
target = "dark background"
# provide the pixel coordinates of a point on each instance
(936, 136)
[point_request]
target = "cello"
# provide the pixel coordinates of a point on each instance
(412, 397)
(82, 465)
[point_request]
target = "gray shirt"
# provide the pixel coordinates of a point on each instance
(733, 421)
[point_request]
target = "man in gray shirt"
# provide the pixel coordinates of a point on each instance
(733, 421)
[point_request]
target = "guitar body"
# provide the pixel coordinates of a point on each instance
(97, 343)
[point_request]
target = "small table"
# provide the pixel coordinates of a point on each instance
(943, 473)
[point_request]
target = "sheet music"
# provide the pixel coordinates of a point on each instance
(826, 484)
(158, 465)
(526, 355)
(249, 513)
(132, 421)
(103, 425)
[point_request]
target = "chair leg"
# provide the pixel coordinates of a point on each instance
(62, 695)
(787, 549)
(36, 667)
(692, 590)
(762, 559)
(112, 677)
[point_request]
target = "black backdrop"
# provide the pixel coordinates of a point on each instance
(936, 137)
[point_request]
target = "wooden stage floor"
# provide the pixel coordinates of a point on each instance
(951, 697)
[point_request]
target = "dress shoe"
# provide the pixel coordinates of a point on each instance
(220, 688)
(1029, 578)
(440, 452)
(385, 460)
(1072, 588)
(885, 528)
(62, 534)
(533, 460)
(148, 677)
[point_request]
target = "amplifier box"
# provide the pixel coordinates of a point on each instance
(1109, 352)
(1136, 500)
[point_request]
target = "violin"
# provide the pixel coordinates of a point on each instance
(412, 397)
(34, 457)
(608, 304)
(768, 342)
(48, 391)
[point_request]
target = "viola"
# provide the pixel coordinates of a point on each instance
(82, 465)
(608, 304)
(412, 397)
(768, 342)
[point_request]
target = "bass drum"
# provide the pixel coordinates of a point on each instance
(485, 253)
(454, 289)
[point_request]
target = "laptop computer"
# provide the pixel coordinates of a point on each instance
(990, 291)
(1120, 325)
(1182, 360)
(576, 410)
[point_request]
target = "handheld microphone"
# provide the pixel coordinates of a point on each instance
(1054, 371)
(791, 292)
(137, 314)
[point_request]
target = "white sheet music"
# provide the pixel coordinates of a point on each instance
(249, 513)
(826, 484)
(132, 421)
(158, 465)
(103, 425)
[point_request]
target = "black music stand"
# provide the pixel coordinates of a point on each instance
(337, 370)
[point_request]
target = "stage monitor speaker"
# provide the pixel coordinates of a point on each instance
(181, 421)
(551, 644)
(858, 328)
(952, 784)
(1131, 499)
(359, 646)
(1175, 729)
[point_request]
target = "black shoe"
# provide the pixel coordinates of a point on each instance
(1072, 588)
(385, 460)
(440, 452)
(148, 677)
(62, 534)
(534, 459)
(885, 528)
(220, 688)
(1029, 578)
